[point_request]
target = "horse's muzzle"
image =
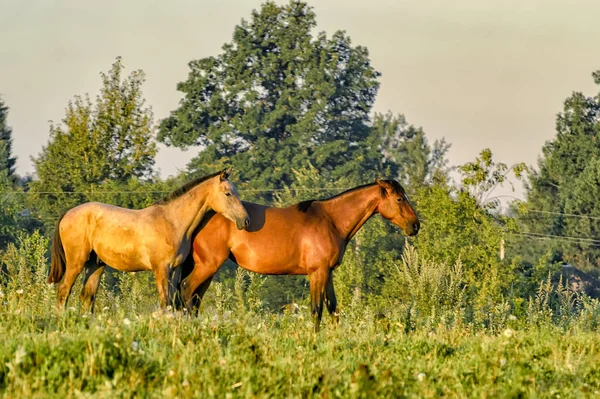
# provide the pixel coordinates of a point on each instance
(245, 225)
(413, 228)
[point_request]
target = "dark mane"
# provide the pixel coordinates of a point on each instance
(304, 206)
(396, 187)
(185, 188)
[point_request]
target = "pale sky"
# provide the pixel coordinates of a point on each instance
(481, 73)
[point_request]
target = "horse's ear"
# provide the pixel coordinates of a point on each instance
(225, 173)
(387, 187)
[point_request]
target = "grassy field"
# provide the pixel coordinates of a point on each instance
(238, 349)
(117, 353)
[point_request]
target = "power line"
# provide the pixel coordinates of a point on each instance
(586, 240)
(564, 214)
(266, 190)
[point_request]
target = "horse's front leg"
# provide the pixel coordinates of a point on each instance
(194, 286)
(161, 275)
(318, 281)
(330, 299)
(93, 273)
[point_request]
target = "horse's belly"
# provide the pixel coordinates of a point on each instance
(267, 263)
(275, 269)
(123, 255)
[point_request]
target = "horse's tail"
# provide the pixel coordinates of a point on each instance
(58, 258)
(187, 266)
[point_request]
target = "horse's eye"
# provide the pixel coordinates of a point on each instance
(400, 199)
(228, 194)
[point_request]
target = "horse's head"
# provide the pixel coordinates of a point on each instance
(224, 200)
(395, 207)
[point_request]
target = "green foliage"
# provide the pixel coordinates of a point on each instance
(276, 97)
(14, 216)
(108, 146)
(10, 207)
(24, 266)
(7, 161)
(483, 175)
(566, 181)
(458, 225)
(435, 292)
(407, 155)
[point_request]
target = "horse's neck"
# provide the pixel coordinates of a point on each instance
(186, 212)
(349, 212)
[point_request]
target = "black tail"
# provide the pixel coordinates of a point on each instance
(58, 258)
(187, 266)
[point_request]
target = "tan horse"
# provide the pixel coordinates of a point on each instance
(157, 238)
(308, 238)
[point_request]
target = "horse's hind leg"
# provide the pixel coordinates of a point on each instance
(93, 273)
(74, 266)
(330, 299)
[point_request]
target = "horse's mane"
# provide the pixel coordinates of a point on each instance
(185, 188)
(305, 205)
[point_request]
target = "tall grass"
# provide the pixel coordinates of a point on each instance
(424, 335)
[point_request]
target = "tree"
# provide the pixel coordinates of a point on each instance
(462, 224)
(405, 151)
(99, 148)
(9, 210)
(14, 216)
(7, 161)
(276, 97)
(563, 185)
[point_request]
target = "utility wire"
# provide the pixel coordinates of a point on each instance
(266, 190)
(572, 238)
(564, 214)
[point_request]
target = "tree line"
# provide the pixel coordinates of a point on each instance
(291, 111)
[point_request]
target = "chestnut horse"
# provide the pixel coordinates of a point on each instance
(157, 238)
(308, 238)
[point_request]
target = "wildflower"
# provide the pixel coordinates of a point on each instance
(409, 357)
(512, 317)
(134, 345)
(20, 355)
(104, 309)
(185, 383)
(72, 308)
(421, 377)
(20, 291)
(502, 362)
(171, 373)
(126, 322)
(508, 333)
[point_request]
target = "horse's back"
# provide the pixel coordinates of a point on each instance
(266, 220)
(276, 241)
